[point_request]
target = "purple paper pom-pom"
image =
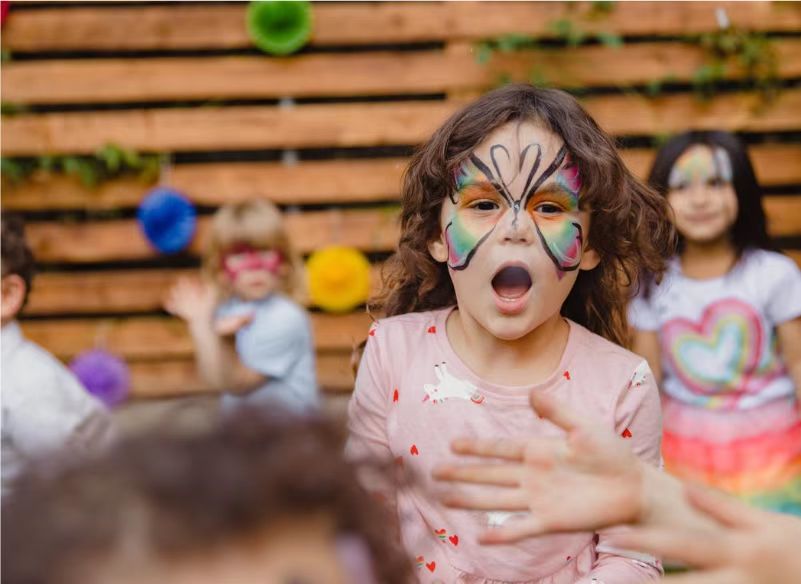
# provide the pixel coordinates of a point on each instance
(104, 375)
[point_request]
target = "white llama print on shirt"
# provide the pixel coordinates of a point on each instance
(450, 387)
(640, 374)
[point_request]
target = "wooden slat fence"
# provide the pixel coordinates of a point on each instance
(184, 79)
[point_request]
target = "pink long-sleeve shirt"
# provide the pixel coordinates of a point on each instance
(414, 395)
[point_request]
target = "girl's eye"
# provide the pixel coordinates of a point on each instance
(679, 186)
(548, 208)
(485, 206)
(716, 182)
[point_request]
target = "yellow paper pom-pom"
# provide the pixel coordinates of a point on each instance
(339, 278)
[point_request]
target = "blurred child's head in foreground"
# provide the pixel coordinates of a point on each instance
(17, 267)
(709, 181)
(519, 208)
(259, 499)
(249, 254)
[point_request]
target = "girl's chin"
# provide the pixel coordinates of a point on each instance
(511, 306)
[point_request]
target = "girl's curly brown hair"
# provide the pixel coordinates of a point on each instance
(629, 225)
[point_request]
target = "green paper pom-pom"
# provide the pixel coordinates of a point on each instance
(279, 27)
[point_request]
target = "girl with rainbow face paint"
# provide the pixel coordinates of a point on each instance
(723, 328)
(520, 224)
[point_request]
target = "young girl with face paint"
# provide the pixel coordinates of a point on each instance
(252, 340)
(723, 330)
(521, 231)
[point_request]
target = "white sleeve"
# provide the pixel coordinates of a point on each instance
(642, 313)
(783, 293)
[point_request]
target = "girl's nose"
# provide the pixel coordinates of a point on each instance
(517, 227)
(698, 194)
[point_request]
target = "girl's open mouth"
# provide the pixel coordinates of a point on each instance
(511, 285)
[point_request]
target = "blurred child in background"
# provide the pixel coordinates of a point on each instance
(44, 406)
(252, 339)
(521, 229)
(723, 330)
(260, 499)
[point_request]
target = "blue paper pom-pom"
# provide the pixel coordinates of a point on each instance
(168, 219)
(103, 374)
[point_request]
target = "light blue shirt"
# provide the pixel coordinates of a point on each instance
(277, 343)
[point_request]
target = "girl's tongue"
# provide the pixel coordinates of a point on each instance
(511, 282)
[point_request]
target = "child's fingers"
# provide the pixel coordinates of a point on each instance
(495, 448)
(511, 500)
(550, 409)
(724, 508)
(514, 531)
(501, 475)
(693, 548)
(722, 576)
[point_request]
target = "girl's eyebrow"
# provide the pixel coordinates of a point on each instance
(482, 184)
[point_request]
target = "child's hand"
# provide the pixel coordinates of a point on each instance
(587, 481)
(747, 545)
(230, 325)
(192, 300)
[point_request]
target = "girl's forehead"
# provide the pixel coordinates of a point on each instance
(516, 137)
(702, 161)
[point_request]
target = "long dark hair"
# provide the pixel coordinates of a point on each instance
(630, 227)
(750, 228)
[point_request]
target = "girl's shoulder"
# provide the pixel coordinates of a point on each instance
(767, 263)
(598, 353)
(410, 325)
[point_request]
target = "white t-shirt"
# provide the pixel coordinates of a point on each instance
(718, 336)
(45, 408)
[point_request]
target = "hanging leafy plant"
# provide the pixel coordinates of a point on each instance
(731, 49)
(107, 163)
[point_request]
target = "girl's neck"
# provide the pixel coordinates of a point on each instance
(525, 361)
(704, 260)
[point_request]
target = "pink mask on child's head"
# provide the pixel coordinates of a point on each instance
(242, 258)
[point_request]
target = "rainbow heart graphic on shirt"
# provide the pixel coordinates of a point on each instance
(721, 353)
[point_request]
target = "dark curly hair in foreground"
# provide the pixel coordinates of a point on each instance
(181, 497)
(629, 226)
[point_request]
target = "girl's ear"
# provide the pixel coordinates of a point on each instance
(589, 259)
(438, 249)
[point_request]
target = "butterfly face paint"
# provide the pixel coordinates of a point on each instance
(244, 258)
(487, 191)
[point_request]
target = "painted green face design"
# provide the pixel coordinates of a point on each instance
(482, 197)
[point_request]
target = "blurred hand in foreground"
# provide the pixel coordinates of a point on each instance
(585, 481)
(748, 546)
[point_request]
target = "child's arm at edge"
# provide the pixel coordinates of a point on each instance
(789, 336)
(367, 417)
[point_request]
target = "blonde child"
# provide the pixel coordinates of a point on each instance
(723, 330)
(252, 340)
(521, 229)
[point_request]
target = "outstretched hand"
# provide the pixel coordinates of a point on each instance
(745, 546)
(588, 480)
(192, 300)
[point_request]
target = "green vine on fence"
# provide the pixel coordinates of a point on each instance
(725, 51)
(107, 163)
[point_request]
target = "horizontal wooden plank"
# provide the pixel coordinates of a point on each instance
(176, 378)
(161, 338)
(336, 181)
(369, 124)
(329, 182)
(371, 230)
(384, 73)
(180, 26)
(112, 291)
(784, 216)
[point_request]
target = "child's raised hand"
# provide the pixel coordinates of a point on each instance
(583, 482)
(746, 545)
(192, 300)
